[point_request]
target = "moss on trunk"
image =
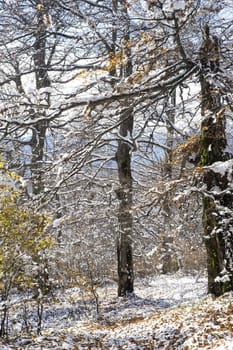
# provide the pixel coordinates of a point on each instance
(218, 195)
(217, 207)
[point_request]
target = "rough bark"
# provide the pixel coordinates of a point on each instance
(209, 58)
(218, 198)
(217, 207)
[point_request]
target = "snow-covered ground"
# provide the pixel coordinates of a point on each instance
(167, 312)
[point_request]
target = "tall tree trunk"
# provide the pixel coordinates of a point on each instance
(218, 199)
(42, 81)
(125, 220)
(123, 158)
(169, 259)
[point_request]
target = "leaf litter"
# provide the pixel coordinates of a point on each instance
(167, 312)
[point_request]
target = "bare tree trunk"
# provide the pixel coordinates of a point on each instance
(123, 158)
(42, 81)
(218, 199)
(125, 220)
(169, 261)
(38, 139)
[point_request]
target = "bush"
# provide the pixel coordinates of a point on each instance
(23, 246)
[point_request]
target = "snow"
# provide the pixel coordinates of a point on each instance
(126, 321)
(221, 167)
(171, 5)
(167, 312)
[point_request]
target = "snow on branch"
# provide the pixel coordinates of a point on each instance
(221, 168)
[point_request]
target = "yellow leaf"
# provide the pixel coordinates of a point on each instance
(39, 7)
(199, 169)
(82, 74)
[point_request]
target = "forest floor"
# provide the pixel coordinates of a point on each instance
(167, 312)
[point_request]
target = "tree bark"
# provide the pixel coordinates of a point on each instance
(218, 198)
(125, 191)
(125, 220)
(169, 260)
(42, 81)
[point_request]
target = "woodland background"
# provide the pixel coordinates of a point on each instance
(113, 115)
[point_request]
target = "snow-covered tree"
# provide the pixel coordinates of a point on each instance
(87, 90)
(217, 163)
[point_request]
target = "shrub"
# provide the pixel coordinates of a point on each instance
(23, 246)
